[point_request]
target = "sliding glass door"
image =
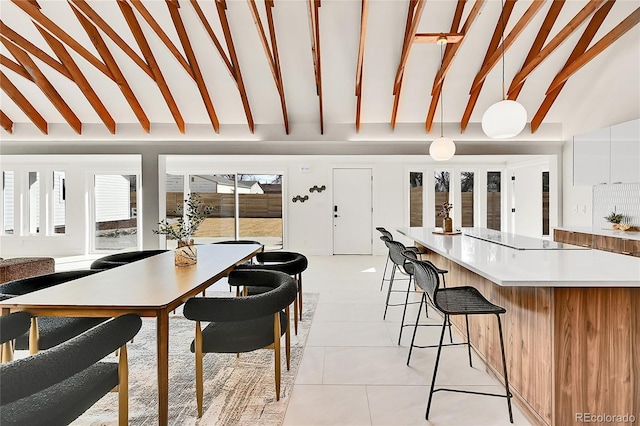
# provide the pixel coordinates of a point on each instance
(115, 212)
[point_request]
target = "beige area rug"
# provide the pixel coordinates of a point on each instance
(237, 391)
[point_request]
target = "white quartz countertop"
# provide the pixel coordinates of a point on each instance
(532, 268)
(627, 235)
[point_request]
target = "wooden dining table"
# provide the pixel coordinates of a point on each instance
(151, 287)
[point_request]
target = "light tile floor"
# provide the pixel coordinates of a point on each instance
(353, 372)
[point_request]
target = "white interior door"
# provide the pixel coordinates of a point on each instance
(352, 211)
(527, 193)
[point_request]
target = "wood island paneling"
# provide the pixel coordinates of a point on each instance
(569, 350)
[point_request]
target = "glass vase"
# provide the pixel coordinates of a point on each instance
(447, 224)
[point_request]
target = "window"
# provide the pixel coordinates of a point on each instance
(8, 210)
(441, 187)
(115, 211)
(260, 209)
(493, 200)
(34, 202)
(59, 202)
(466, 192)
(245, 206)
(415, 199)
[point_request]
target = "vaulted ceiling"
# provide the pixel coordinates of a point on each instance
(305, 66)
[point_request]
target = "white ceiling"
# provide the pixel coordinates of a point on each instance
(604, 92)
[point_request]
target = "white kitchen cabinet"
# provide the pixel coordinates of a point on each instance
(625, 152)
(608, 155)
(591, 157)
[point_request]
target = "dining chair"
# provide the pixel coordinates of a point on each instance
(51, 331)
(119, 259)
(56, 386)
(11, 326)
(462, 300)
(291, 263)
(243, 324)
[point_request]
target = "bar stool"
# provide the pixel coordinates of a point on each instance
(406, 268)
(424, 301)
(386, 235)
(465, 300)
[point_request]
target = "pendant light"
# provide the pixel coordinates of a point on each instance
(506, 118)
(442, 149)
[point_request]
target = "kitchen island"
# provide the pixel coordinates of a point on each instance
(572, 327)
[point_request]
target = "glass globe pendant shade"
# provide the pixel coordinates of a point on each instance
(442, 149)
(504, 119)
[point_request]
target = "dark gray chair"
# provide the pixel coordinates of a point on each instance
(56, 386)
(12, 326)
(51, 330)
(291, 263)
(243, 324)
(119, 259)
(463, 300)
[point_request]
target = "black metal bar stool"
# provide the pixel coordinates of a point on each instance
(424, 301)
(465, 300)
(386, 236)
(406, 268)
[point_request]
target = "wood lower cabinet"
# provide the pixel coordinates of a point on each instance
(599, 242)
(570, 351)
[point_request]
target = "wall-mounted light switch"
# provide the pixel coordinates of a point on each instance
(575, 208)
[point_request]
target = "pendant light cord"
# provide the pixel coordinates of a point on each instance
(441, 108)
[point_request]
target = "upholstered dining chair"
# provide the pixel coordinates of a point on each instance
(119, 259)
(51, 331)
(12, 326)
(243, 324)
(56, 386)
(291, 263)
(249, 262)
(460, 300)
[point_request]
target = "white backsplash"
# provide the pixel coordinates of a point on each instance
(623, 198)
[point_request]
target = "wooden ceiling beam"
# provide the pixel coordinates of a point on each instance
(16, 96)
(93, 16)
(314, 27)
(150, 20)
(43, 83)
(538, 43)
(17, 39)
(15, 67)
(618, 31)
(452, 49)
(271, 52)
(554, 43)
(214, 38)
(80, 80)
(136, 30)
(221, 6)
(6, 122)
(48, 24)
(414, 13)
(364, 13)
(114, 70)
(522, 23)
(193, 62)
(498, 32)
(435, 37)
(449, 52)
(580, 47)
